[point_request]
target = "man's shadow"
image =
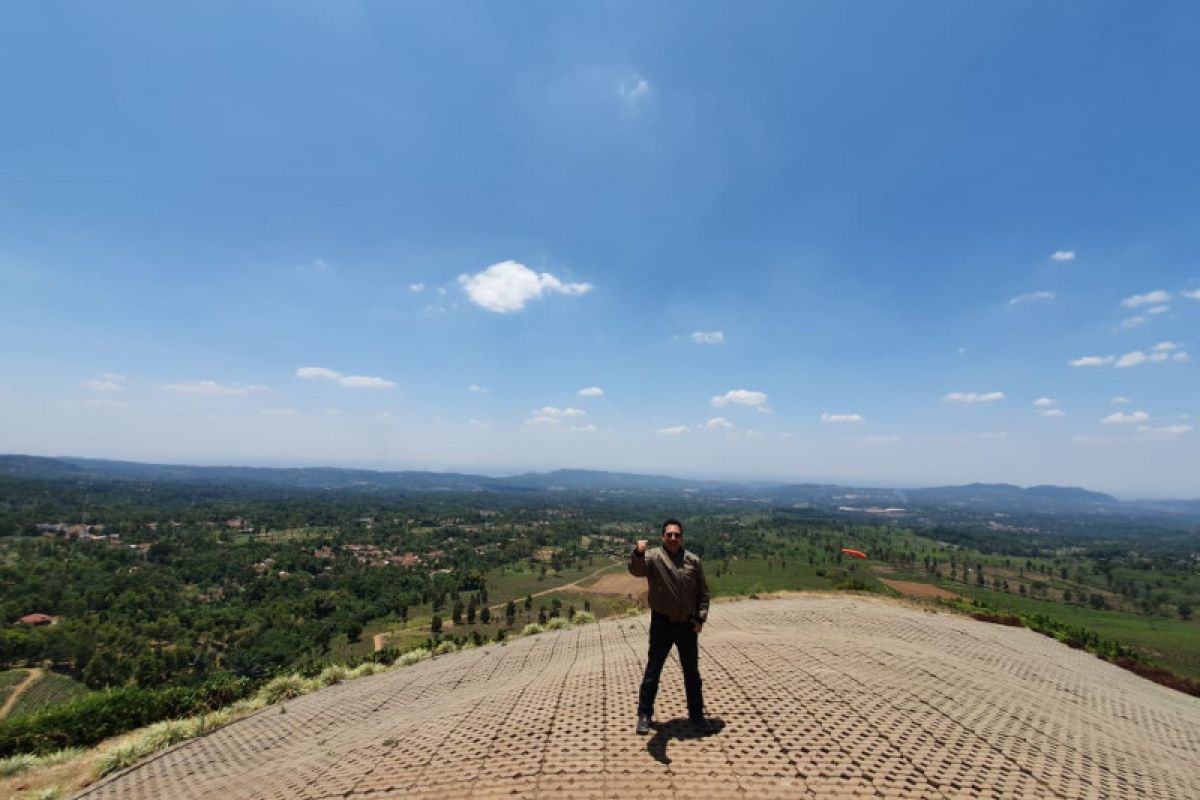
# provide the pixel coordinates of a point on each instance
(680, 729)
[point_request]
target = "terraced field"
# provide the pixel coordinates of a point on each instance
(821, 696)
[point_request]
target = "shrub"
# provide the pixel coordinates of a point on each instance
(335, 673)
(583, 617)
(531, 629)
(557, 624)
(285, 687)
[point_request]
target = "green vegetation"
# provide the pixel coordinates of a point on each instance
(10, 679)
(48, 691)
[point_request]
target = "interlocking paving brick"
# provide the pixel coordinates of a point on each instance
(816, 697)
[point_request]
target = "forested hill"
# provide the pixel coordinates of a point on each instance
(972, 498)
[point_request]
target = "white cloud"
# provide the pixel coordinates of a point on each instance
(709, 337)
(1092, 361)
(477, 389)
(1045, 402)
(317, 373)
(742, 397)
(717, 422)
(753, 434)
(1062, 255)
(1166, 347)
(1166, 430)
(207, 388)
(972, 397)
(1133, 322)
(1120, 400)
(1160, 309)
(506, 287)
(365, 382)
(635, 93)
(416, 287)
(1051, 412)
(108, 382)
(1163, 351)
(1154, 298)
(542, 421)
(590, 391)
(1121, 418)
(675, 430)
(1132, 359)
(559, 413)
(1181, 357)
(1030, 298)
(833, 419)
(584, 428)
(350, 381)
(1194, 294)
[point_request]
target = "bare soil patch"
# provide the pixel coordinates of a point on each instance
(913, 589)
(621, 583)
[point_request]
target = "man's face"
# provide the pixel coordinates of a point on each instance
(673, 538)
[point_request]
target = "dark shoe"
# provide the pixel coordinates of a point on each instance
(643, 726)
(702, 725)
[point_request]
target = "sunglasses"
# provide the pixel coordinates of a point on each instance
(673, 535)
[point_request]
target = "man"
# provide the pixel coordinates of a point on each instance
(678, 611)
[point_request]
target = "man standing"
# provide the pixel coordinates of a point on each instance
(678, 611)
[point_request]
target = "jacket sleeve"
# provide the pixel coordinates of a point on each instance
(701, 594)
(637, 564)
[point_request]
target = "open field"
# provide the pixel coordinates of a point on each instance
(916, 589)
(49, 690)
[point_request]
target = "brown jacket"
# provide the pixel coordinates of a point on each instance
(677, 585)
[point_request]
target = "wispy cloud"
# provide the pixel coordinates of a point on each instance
(1045, 402)
(349, 381)
(834, 419)
(1163, 351)
(1159, 310)
(506, 287)
(278, 412)
(1051, 412)
(590, 391)
(559, 413)
(882, 438)
(208, 388)
(108, 382)
(741, 397)
(1154, 298)
(477, 389)
(634, 92)
(717, 422)
(972, 397)
(1121, 418)
(674, 430)
(1165, 430)
(1062, 255)
(994, 435)
(1193, 295)
(1120, 400)
(1092, 361)
(1134, 322)
(543, 422)
(1048, 407)
(416, 287)
(1031, 297)
(709, 337)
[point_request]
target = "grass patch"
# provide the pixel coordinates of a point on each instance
(47, 692)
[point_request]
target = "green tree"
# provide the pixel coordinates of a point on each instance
(435, 625)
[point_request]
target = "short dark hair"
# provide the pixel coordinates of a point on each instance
(670, 522)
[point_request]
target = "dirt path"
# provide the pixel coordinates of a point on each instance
(34, 674)
(913, 589)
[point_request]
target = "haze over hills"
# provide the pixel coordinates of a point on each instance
(975, 497)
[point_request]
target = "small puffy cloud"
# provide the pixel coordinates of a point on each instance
(207, 388)
(635, 92)
(1092, 361)
(1165, 430)
(1121, 418)
(416, 287)
(1193, 295)
(1166, 347)
(1121, 400)
(506, 287)
(972, 397)
(559, 413)
(1031, 297)
(365, 382)
(674, 430)
(1051, 412)
(742, 397)
(1132, 359)
(1163, 351)
(834, 419)
(1159, 309)
(1062, 255)
(590, 391)
(1133, 322)
(1155, 298)
(1045, 402)
(709, 337)
(350, 381)
(717, 422)
(477, 389)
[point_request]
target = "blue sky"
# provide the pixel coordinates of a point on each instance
(896, 244)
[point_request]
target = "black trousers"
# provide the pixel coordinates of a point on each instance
(663, 635)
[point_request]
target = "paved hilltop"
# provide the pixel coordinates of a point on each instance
(817, 696)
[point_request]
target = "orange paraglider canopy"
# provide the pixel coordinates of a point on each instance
(855, 553)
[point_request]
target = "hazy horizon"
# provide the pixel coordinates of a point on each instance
(889, 245)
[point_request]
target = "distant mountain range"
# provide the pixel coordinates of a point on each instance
(971, 498)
